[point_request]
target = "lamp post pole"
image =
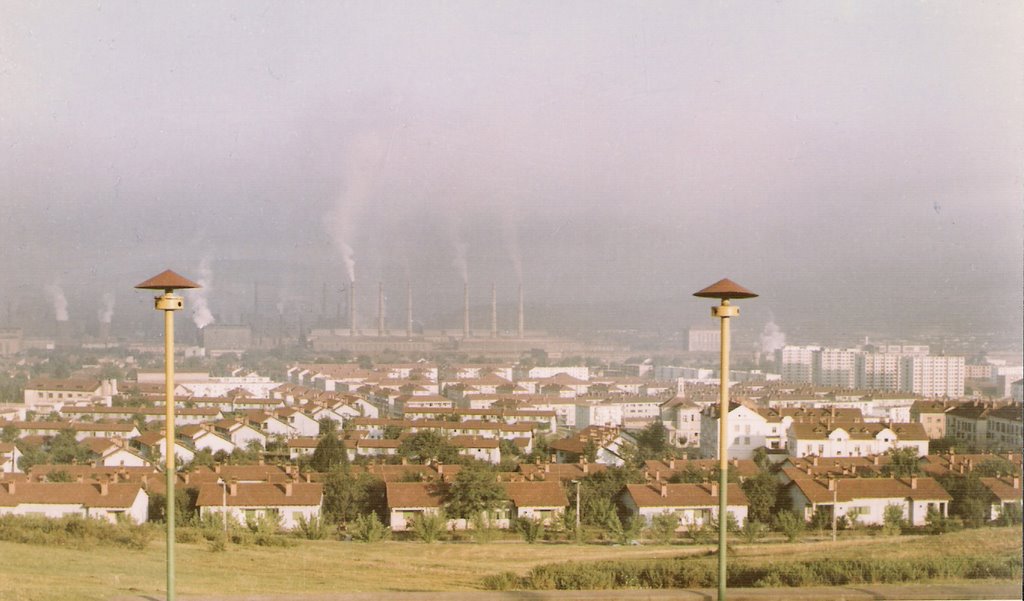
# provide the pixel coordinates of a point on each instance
(168, 281)
(224, 505)
(724, 290)
(577, 509)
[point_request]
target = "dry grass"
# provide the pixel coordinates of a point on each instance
(30, 572)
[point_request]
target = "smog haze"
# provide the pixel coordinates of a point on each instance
(858, 164)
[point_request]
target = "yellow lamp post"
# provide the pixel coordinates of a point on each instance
(725, 290)
(168, 302)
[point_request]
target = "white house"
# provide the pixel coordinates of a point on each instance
(241, 434)
(155, 444)
(301, 424)
(748, 431)
(545, 501)
(681, 418)
(407, 500)
(693, 504)
(9, 456)
(204, 438)
(245, 502)
(865, 499)
(101, 500)
(855, 440)
(1004, 492)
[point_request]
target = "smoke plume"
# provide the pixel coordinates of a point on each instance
(106, 313)
(360, 170)
(510, 233)
(201, 314)
(772, 337)
(60, 304)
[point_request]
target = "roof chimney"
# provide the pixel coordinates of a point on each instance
(831, 483)
(586, 468)
(288, 488)
(913, 483)
(104, 487)
(714, 489)
(672, 464)
(1016, 483)
(233, 487)
(11, 487)
(814, 461)
(664, 490)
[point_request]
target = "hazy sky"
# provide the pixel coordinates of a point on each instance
(854, 158)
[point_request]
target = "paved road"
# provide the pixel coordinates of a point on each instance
(915, 592)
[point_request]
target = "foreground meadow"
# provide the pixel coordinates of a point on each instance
(33, 572)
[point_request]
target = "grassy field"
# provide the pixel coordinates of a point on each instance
(29, 572)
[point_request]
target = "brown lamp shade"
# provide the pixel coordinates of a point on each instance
(725, 288)
(167, 280)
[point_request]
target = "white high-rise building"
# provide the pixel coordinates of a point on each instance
(835, 367)
(933, 376)
(704, 340)
(879, 371)
(796, 363)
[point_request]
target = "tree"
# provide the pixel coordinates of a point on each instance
(9, 434)
(590, 450)
(348, 496)
(474, 490)
(762, 492)
(762, 460)
(624, 532)
(652, 442)
(426, 446)
(330, 453)
(903, 463)
(64, 448)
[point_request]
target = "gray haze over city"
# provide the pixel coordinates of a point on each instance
(858, 164)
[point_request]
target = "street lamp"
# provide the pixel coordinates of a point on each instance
(725, 290)
(168, 302)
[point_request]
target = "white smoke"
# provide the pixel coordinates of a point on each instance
(60, 304)
(511, 236)
(460, 261)
(362, 161)
(201, 314)
(106, 313)
(772, 337)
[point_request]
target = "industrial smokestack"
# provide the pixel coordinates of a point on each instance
(408, 311)
(521, 324)
(465, 313)
(352, 307)
(380, 309)
(494, 311)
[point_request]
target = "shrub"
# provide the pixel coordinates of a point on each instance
(753, 531)
(663, 528)
(74, 531)
(789, 524)
(368, 528)
(313, 529)
(481, 531)
(505, 581)
(892, 520)
(531, 529)
(429, 527)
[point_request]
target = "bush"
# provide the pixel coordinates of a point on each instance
(429, 527)
(789, 524)
(368, 528)
(74, 531)
(663, 528)
(313, 529)
(690, 573)
(892, 520)
(505, 581)
(753, 531)
(531, 529)
(481, 531)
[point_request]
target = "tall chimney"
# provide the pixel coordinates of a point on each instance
(494, 311)
(408, 311)
(521, 332)
(465, 312)
(352, 307)
(380, 309)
